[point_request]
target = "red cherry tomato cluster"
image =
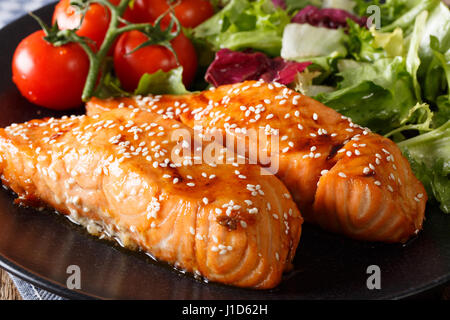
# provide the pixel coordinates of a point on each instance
(131, 67)
(50, 76)
(54, 77)
(190, 13)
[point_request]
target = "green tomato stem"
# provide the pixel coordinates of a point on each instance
(97, 58)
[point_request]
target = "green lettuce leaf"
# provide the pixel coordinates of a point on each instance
(371, 45)
(391, 42)
(360, 44)
(303, 41)
(419, 118)
(347, 5)
(321, 46)
(442, 115)
(390, 10)
(293, 5)
(109, 85)
(435, 41)
(412, 58)
(442, 59)
(162, 82)
(414, 8)
(433, 81)
(304, 83)
(245, 24)
(429, 155)
(376, 95)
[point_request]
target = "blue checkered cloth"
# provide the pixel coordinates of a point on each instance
(13, 9)
(30, 292)
(9, 11)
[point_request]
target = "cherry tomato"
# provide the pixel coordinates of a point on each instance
(50, 76)
(190, 13)
(95, 23)
(131, 67)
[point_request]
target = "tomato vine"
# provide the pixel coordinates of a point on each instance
(155, 33)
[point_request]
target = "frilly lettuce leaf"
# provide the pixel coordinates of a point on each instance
(442, 59)
(434, 54)
(245, 24)
(391, 42)
(443, 113)
(412, 58)
(429, 155)
(371, 45)
(390, 10)
(414, 8)
(376, 95)
(419, 118)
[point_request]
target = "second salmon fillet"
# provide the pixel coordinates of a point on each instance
(343, 177)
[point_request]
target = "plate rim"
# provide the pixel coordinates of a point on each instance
(48, 285)
(44, 283)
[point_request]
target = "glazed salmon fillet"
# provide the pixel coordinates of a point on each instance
(115, 174)
(343, 177)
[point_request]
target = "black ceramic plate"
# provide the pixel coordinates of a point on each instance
(39, 246)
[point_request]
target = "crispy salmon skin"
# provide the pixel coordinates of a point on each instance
(343, 177)
(115, 173)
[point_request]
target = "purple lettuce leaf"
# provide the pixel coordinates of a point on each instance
(232, 67)
(327, 18)
(279, 4)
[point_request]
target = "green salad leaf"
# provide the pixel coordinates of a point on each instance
(413, 9)
(429, 155)
(433, 80)
(390, 10)
(244, 24)
(442, 59)
(303, 41)
(412, 58)
(368, 45)
(391, 42)
(162, 82)
(292, 5)
(321, 46)
(435, 41)
(419, 118)
(304, 83)
(347, 5)
(377, 95)
(109, 85)
(443, 113)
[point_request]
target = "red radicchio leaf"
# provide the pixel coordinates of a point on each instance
(283, 71)
(279, 4)
(328, 18)
(232, 67)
